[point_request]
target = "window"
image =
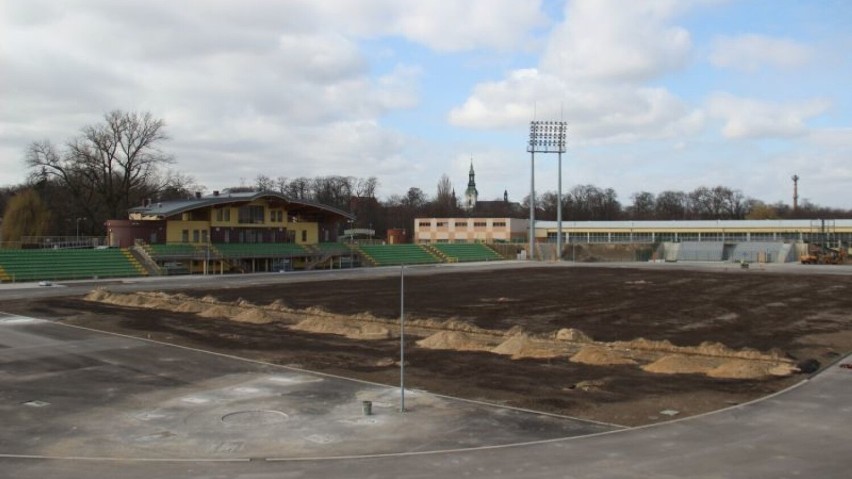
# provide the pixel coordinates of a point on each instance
(441, 224)
(499, 224)
(272, 216)
(204, 236)
(280, 216)
(251, 214)
(228, 214)
(220, 214)
(304, 236)
(461, 224)
(184, 236)
(196, 236)
(424, 224)
(479, 224)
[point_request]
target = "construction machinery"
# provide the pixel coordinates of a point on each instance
(822, 254)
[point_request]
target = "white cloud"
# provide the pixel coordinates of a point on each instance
(591, 75)
(752, 52)
(612, 40)
(593, 112)
(750, 118)
(443, 25)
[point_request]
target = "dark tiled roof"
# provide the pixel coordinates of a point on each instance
(170, 208)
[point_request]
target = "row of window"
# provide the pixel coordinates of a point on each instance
(462, 224)
(251, 214)
(198, 236)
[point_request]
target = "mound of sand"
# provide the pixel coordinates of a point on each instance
(645, 344)
(600, 357)
(218, 311)
(456, 340)
(331, 326)
(573, 335)
(680, 364)
(740, 369)
(253, 315)
(522, 346)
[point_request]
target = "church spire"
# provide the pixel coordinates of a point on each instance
(470, 194)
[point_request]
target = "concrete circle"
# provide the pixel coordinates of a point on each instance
(254, 418)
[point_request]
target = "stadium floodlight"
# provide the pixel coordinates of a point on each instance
(546, 137)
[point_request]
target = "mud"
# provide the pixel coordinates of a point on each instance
(726, 337)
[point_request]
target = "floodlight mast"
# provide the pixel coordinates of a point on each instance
(546, 137)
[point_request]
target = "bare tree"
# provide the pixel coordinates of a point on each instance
(110, 166)
(642, 207)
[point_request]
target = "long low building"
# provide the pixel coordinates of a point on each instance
(714, 230)
(495, 230)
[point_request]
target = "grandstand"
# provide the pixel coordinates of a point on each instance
(259, 250)
(57, 264)
(396, 254)
(461, 252)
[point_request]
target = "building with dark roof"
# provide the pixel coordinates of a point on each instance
(250, 222)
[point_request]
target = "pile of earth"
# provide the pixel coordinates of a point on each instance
(660, 357)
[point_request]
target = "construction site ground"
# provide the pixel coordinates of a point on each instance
(620, 345)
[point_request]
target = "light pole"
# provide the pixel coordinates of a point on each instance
(402, 338)
(78, 228)
(546, 137)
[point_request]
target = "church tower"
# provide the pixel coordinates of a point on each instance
(470, 194)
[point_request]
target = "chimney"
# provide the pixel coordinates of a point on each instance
(216, 193)
(197, 195)
(795, 193)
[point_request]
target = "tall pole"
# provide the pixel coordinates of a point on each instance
(559, 213)
(532, 205)
(546, 137)
(795, 193)
(402, 338)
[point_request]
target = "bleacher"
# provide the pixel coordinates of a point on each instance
(332, 248)
(396, 254)
(460, 252)
(58, 264)
(172, 250)
(761, 252)
(259, 250)
(701, 251)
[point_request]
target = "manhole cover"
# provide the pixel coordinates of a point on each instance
(255, 418)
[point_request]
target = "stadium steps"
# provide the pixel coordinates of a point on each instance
(59, 264)
(133, 261)
(397, 254)
(465, 252)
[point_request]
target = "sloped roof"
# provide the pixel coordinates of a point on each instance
(170, 208)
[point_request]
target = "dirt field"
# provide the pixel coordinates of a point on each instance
(562, 340)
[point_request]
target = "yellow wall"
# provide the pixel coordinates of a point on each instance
(174, 230)
(175, 227)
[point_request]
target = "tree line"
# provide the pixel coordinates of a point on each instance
(114, 165)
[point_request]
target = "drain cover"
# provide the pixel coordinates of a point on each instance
(255, 418)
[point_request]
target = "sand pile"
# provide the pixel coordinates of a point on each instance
(742, 369)
(600, 357)
(573, 335)
(334, 326)
(680, 364)
(455, 340)
(523, 346)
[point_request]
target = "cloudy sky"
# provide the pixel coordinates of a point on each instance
(657, 94)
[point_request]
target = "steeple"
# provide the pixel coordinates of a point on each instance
(470, 194)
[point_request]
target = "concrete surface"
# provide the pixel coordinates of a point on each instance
(138, 410)
(70, 392)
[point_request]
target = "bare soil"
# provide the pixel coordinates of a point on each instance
(596, 315)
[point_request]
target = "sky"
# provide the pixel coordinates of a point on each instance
(657, 94)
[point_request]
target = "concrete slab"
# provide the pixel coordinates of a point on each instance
(70, 392)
